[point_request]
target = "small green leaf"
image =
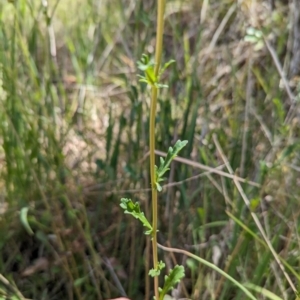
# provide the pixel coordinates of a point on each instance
(149, 232)
(156, 272)
(150, 75)
(143, 79)
(174, 277)
(165, 66)
(145, 63)
(159, 85)
(165, 163)
(158, 186)
(147, 66)
(134, 210)
(24, 220)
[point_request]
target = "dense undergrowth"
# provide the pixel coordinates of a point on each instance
(74, 131)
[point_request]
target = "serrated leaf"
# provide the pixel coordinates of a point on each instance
(134, 209)
(171, 280)
(156, 272)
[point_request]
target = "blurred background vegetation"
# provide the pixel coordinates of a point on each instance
(74, 136)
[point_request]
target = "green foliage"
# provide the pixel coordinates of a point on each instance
(147, 66)
(171, 280)
(165, 163)
(156, 272)
(134, 210)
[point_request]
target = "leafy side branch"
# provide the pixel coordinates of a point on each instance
(134, 209)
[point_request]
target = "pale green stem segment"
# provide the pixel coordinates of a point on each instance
(158, 53)
(153, 185)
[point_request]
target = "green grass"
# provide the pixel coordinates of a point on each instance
(74, 135)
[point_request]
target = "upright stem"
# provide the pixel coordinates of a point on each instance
(154, 190)
(158, 52)
(159, 33)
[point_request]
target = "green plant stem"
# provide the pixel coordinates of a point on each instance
(158, 52)
(153, 186)
(159, 33)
